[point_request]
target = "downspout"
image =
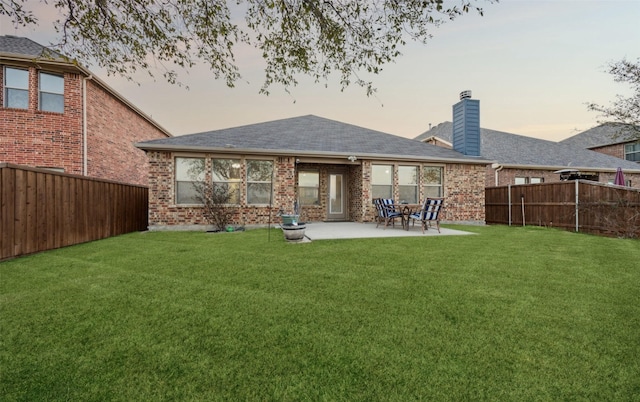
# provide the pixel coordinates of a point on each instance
(84, 125)
(498, 167)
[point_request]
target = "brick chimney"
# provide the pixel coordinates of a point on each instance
(466, 125)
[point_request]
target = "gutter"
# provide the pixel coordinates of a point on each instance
(497, 167)
(560, 167)
(84, 125)
(305, 154)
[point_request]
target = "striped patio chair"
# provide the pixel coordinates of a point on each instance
(430, 212)
(387, 211)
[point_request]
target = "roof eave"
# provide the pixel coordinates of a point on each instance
(310, 154)
(560, 167)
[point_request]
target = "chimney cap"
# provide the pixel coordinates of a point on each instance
(465, 94)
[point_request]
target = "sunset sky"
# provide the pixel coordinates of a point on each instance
(532, 64)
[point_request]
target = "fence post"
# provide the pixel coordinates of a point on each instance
(577, 206)
(509, 190)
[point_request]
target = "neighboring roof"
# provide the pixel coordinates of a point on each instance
(514, 150)
(26, 47)
(309, 136)
(23, 51)
(603, 135)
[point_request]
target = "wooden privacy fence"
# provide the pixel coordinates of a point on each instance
(581, 206)
(42, 210)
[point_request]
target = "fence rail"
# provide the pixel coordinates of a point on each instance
(42, 210)
(581, 206)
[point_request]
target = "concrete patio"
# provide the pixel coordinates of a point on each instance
(355, 230)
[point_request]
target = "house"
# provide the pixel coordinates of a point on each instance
(522, 160)
(332, 169)
(56, 114)
(616, 140)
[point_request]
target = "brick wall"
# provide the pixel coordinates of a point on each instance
(54, 140)
(463, 190)
(112, 129)
(508, 176)
(615, 150)
(464, 193)
(43, 139)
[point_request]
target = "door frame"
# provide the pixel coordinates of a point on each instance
(345, 196)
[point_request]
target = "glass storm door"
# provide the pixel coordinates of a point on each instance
(337, 197)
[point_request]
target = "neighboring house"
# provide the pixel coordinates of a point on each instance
(523, 160)
(332, 169)
(610, 139)
(56, 114)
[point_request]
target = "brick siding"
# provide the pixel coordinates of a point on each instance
(54, 140)
(508, 176)
(463, 190)
(615, 150)
(43, 139)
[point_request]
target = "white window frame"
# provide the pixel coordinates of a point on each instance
(303, 187)
(518, 180)
(411, 184)
(53, 93)
(632, 149)
(10, 87)
(250, 195)
(378, 186)
(234, 183)
(428, 185)
(181, 175)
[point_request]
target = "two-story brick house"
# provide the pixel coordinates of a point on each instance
(56, 114)
(610, 139)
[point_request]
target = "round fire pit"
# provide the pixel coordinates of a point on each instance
(294, 232)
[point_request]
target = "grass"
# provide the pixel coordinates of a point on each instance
(510, 314)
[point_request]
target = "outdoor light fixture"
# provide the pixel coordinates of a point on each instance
(352, 158)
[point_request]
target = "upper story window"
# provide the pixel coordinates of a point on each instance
(189, 172)
(51, 92)
(408, 184)
(432, 180)
(16, 88)
(227, 177)
(382, 181)
(632, 152)
(521, 180)
(259, 174)
(308, 187)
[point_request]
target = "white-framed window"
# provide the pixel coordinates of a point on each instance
(188, 171)
(521, 180)
(16, 88)
(432, 181)
(408, 184)
(536, 180)
(632, 152)
(381, 181)
(227, 174)
(308, 187)
(51, 92)
(259, 176)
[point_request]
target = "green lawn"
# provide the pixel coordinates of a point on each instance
(509, 314)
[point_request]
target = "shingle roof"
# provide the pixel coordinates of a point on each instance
(518, 150)
(26, 47)
(604, 134)
(309, 135)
